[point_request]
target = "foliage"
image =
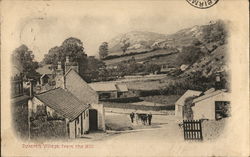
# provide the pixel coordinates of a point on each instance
(103, 50)
(131, 67)
(95, 69)
(152, 68)
(188, 112)
(215, 32)
(125, 45)
(189, 55)
(26, 58)
(71, 47)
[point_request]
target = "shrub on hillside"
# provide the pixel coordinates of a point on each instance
(189, 55)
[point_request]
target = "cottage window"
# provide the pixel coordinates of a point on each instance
(222, 109)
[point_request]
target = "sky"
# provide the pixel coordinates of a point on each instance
(43, 25)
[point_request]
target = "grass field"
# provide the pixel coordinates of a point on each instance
(167, 100)
(139, 57)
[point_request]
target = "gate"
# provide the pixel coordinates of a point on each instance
(192, 130)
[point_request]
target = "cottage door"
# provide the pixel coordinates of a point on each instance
(93, 120)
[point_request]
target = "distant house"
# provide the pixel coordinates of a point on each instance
(213, 105)
(47, 74)
(105, 90)
(44, 79)
(112, 67)
(112, 90)
(179, 105)
(166, 69)
(183, 67)
(122, 90)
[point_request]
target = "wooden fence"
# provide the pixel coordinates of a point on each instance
(192, 130)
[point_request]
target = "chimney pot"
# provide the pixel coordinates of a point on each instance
(67, 59)
(59, 66)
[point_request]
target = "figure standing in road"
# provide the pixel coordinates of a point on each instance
(132, 115)
(149, 118)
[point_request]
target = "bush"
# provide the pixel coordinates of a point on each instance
(189, 55)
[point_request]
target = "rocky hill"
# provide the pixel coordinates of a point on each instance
(138, 41)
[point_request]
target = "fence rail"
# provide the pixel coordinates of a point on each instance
(192, 130)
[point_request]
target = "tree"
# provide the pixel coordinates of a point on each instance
(215, 32)
(125, 45)
(71, 47)
(103, 50)
(95, 68)
(188, 112)
(189, 55)
(26, 58)
(52, 56)
(152, 68)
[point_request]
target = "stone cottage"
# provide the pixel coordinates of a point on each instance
(59, 104)
(74, 100)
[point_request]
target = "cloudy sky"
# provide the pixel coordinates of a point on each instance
(43, 25)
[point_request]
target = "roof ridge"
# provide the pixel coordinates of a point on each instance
(48, 90)
(206, 96)
(66, 73)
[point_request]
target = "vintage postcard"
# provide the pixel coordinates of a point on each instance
(125, 78)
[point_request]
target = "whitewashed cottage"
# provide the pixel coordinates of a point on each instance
(74, 100)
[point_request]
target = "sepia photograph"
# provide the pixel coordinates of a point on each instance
(125, 78)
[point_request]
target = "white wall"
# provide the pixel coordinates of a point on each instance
(205, 109)
(85, 120)
(72, 129)
(178, 111)
(101, 115)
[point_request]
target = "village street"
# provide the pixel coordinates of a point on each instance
(163, 127)
(168, 132)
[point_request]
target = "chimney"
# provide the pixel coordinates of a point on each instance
(67, 59)
(71, 65)
(67, 64)
(218, 84)
(59, 65)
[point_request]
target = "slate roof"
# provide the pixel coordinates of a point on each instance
(209, 95)
(188, 93)
(79, 88)
(122, 87)
(103, 87)
(62, 102)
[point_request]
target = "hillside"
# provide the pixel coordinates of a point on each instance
(139, 41)
(191, 58)
(167, 49)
